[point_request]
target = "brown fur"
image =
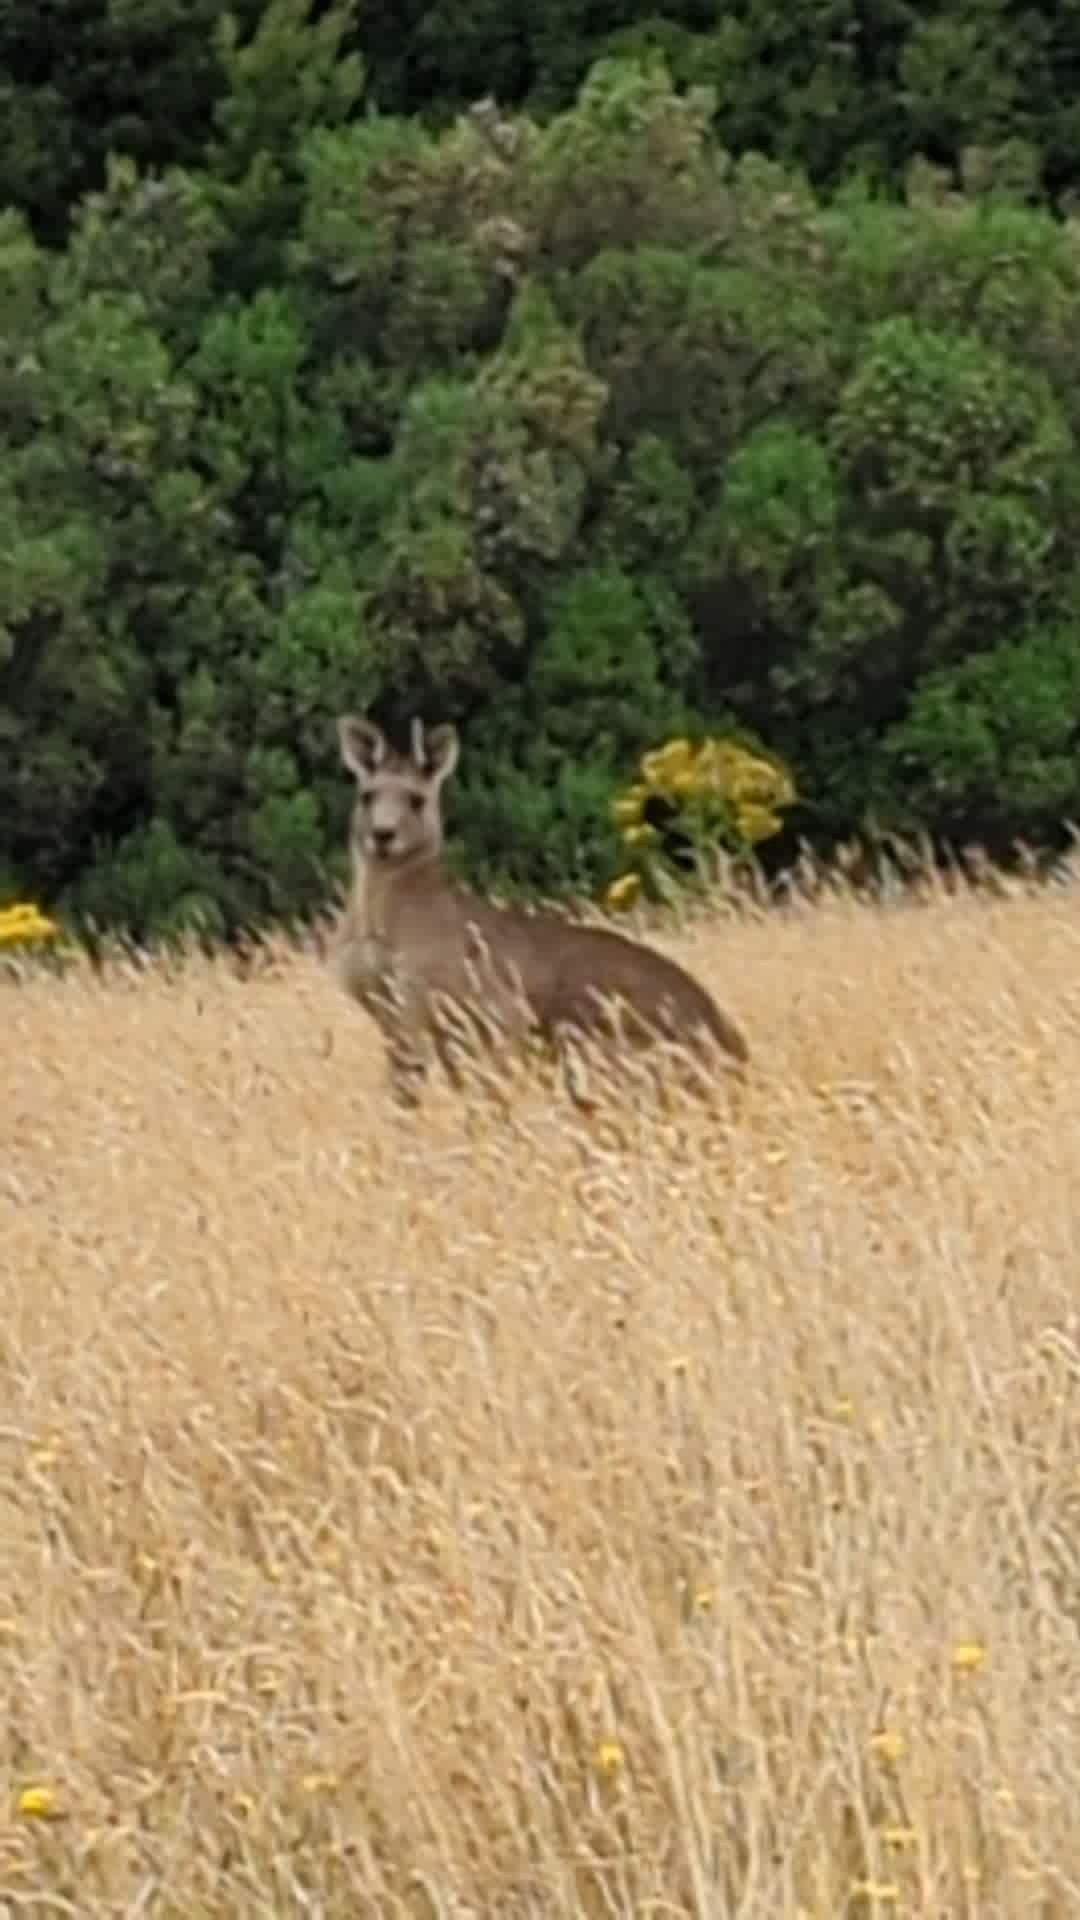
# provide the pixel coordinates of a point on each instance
(432, 962)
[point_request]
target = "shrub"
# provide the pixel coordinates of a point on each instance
(688, 801)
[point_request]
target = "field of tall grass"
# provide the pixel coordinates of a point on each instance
(446, 1517)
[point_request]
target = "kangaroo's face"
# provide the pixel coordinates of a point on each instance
(397, 815)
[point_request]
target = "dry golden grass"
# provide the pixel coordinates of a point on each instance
(441, 1518)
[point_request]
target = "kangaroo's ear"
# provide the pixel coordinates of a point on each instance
(441, 748)
(363, 746)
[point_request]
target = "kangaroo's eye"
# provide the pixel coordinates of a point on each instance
(365, 799)
(416, 802)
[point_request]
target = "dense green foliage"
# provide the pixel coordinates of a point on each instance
(825, 85)
(583, 427)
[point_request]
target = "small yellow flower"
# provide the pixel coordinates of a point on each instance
(659, 767)
(38, 1803)
(899, 1837)
(757, 822)
(703, 1599)
(623, 890)
(885, 1891)
(888, 1745)
(968, 1656)
(313, 1783)
(608, 1759)
(685, 780)
(25, 923)
(627, 809)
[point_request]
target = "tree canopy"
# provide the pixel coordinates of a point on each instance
(586, 378)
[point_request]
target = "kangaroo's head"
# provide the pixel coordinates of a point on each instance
(397, 817)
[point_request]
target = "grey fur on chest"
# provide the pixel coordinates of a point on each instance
(367, 969)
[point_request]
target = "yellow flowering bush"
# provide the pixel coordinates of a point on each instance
(691, 797)
(25, 925)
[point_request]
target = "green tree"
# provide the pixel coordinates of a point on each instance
(290, 76)
(82, 79)
(585, 433)
(989, 750)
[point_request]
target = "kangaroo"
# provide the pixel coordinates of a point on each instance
(435, 964)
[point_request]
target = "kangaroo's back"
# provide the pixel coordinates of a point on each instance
(649, 984)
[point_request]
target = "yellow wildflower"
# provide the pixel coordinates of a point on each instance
(608, 1759)
(968, 1655)
(660, 766)
(25, 923)
(888, 1745)
(685, 780)
(760, 783)
(713, 791)
(38, 1803)
(709, 758)
(623, 890)
(626, 811)
(756, 822)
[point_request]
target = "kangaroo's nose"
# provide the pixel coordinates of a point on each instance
(383, 838)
